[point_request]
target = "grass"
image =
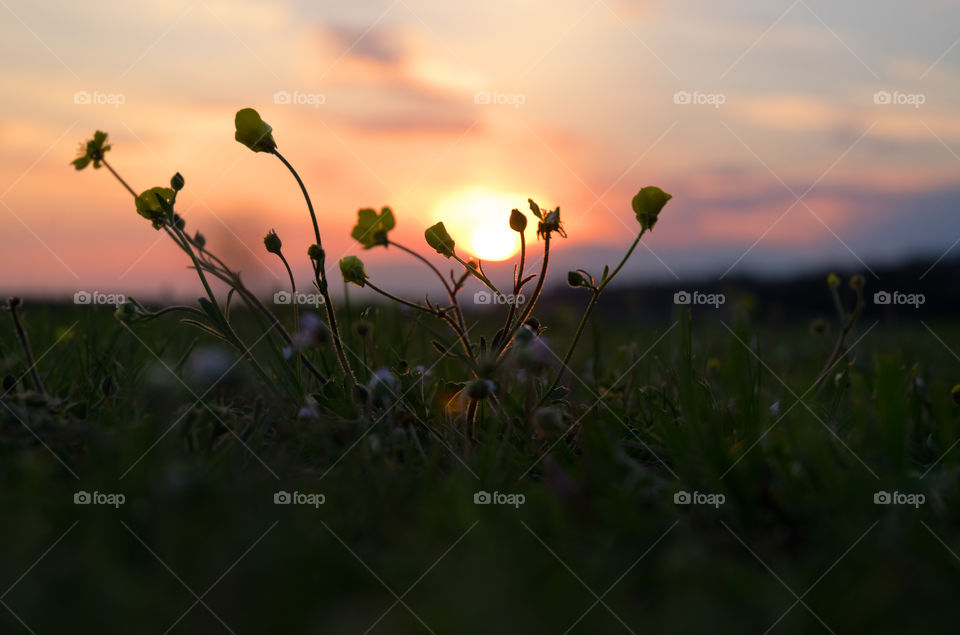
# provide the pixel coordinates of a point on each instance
(598, 545)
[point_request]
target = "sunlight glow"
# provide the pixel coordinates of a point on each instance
(478, 220)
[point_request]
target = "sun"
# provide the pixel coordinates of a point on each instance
(479, 220)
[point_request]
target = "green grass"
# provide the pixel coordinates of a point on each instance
(654, 409)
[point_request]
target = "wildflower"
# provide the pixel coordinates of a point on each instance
(713, 364)
(272, 242)
(833, 280)
(647, 204)
(856, 282)
(92, 152)
(550, 223)
(352, 269)
(254, 132)
(209, 364)
(383, 387)
(480, 388)
(371, 228)
(156, 205)
(311, 333)
(438, 238)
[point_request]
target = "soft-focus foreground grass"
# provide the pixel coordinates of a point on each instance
(399, 545)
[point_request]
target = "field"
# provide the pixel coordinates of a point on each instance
(693, 479)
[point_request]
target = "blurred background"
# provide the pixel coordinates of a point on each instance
(794, 136)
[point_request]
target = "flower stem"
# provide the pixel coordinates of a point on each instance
(320, 274)
(118, 177)
(12, 305)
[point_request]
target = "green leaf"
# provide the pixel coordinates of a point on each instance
(438, 238)
(155, 205)
(647, 205)
(352, 270)
(371, 228)
(254, 132)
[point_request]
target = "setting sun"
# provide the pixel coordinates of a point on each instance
(479, 221)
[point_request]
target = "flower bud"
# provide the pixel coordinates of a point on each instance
(833, 280)
(480, 388)
(272, 242)
(518, 222)
(315, 253)
(200, 240)
(856, 282)
(575, 279)
(176, 182)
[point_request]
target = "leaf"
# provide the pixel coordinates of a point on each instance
(438, 238)
(647, 205)
(535, 209)
(253, 132)
(371, 228)
(352, 270)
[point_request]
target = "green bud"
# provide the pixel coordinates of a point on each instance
(480, 388)
(352, 270)
(575, 279)
(438, 238)
(253, 132)
(647, 204)
(315, 253)
(272, 242)
(176, 182)
(200, 240)
(518, 222)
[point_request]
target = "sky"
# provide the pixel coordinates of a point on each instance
(792, 134)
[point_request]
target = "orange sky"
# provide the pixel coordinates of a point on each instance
(589, 102)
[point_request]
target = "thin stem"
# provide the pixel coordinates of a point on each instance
(296, 308)
(606, 280)
(412, 305)
(118, 177)
(451, 293)
(516, 285)
(320, 274)
(528, 309)
(12, 305)
(586, 317)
